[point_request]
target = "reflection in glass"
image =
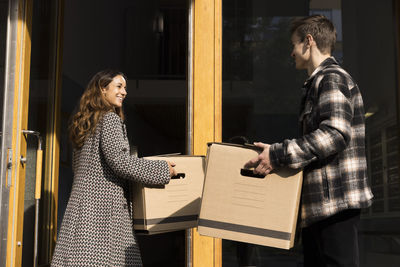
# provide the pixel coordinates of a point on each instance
(147, 40)
(41, 95)
(261, 94)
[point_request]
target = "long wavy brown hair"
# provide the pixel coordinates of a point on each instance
(92, 107)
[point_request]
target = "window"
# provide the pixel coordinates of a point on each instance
(261, 97)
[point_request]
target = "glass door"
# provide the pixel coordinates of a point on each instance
(15, 95)
(148, 41)
(42, 118)
(261, 94)
(28, 73)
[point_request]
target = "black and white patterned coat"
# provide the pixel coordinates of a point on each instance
(97, 226)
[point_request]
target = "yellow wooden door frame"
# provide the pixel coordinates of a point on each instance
(207, 94)
(20, 122)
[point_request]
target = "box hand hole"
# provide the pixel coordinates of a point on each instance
(180, 175)
(250, 173)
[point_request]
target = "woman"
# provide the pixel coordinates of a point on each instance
(97, 226)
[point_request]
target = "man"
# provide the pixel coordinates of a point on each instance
(331, 150)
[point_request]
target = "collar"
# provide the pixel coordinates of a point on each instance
(324, 64)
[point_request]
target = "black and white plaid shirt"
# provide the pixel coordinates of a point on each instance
(332, 147)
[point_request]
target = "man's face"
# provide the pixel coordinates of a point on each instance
(300, 52)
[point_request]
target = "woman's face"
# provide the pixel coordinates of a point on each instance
(115, 92)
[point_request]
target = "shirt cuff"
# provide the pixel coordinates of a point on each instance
(277, 155)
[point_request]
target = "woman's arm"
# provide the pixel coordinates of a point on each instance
(121, 162)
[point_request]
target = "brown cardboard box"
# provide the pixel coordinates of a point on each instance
(239, 207)
(174, 206)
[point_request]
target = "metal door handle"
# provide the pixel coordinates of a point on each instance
(38, 187)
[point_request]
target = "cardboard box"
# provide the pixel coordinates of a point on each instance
(239, 207)
(171, 207)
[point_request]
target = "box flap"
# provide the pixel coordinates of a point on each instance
(249, 146)
(173, 155)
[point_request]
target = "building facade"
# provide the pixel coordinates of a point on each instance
(198, 71)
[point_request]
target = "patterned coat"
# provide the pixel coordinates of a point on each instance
(332, 148)
(97, 226)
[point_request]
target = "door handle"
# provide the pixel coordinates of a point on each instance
(38, 187)
(39, 158)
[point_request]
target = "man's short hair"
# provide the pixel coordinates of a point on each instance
(320, 28)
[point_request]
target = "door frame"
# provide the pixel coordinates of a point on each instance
(207, 107)
(204, 121)
(205, 115)
(205, 94)
(205, 103)
(10, 74)
(19, 76)
(15, 119)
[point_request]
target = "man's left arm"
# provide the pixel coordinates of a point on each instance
(332, 135)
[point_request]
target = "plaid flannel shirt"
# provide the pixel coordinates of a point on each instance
(331, 150)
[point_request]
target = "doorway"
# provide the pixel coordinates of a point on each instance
(148, 41)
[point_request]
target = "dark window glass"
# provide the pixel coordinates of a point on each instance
(42, 86)
(261, 96)
(147, 40)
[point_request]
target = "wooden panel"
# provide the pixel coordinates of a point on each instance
(203, 76)
(203, 108)
(218, 71)
(202, 250)
(207, 75)
(217, 101)
(20, 122)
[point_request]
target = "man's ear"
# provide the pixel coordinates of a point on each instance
(309, 40)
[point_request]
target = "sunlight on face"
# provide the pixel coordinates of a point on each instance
(115, 92)
(299, 53)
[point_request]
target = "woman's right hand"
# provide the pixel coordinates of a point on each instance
(172, 171)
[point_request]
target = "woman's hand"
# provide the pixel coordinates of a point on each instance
(172, 171)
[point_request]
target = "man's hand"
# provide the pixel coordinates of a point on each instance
(261, 163)
(172, 171)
